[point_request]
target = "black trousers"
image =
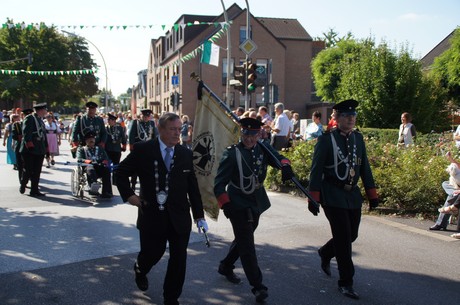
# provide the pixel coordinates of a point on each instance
(243, 246)
(344, 225)
(115, 157)
(153, 239)
(103, 172)
(32, 170)
(19, 164)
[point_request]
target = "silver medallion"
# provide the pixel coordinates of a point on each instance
(162, 196)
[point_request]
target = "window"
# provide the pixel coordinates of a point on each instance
(224, 70)
(243, 33)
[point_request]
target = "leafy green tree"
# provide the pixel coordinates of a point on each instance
(446, 68)
(386, 83)
(51, 51)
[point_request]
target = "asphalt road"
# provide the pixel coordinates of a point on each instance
(59, 250)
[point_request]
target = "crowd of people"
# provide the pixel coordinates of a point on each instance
(168, 198)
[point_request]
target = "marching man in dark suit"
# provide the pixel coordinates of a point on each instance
(116, 141)
(17, 136)
(141, 130)
(339, 160)
(33, 149)
(168, 190)
(239, 190)
(89, 122)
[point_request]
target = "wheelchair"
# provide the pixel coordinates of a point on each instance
(79, 181)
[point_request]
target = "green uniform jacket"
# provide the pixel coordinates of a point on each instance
(16, 132)
(227, 182)
(96, 154)
(84, 124)
(142, 131)
(34, 135)
(116, 137)
(325, 185)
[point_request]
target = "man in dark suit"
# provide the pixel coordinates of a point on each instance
(34, 146)
(167, 193)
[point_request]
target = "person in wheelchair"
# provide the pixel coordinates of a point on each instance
(96, 166)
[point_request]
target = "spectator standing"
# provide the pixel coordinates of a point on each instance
(184, 130)
(9, 141)
(314, 129)
(53, 135)
(407, 131)
(332, 124)
(280, 128)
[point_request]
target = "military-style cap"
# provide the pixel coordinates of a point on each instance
(40, 106)
(89, 135)
(91, 105)
(146, 112)
(27, 111)
(250, 126)
(111, 117)
(347, 106)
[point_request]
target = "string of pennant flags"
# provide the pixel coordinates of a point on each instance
(41, 73)
(41, 25)
(187, 57)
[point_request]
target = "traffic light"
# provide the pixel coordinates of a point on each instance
(171, 99)
(265, 95)
(239, 79)
(251, 76)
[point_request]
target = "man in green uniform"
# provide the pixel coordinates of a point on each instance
(17, 136)
(239, 190)
(141, 130)
(33, 149)
(339, 160)
(116, 141)
(89, 122)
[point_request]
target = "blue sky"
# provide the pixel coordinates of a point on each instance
(419, 24)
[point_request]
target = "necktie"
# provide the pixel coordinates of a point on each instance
(168, 157)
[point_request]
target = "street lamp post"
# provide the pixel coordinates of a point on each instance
(105, 66)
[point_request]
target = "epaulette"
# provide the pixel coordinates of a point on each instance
(231, 146)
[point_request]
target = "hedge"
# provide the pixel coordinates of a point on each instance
(408, 179)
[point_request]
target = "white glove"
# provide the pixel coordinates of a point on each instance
(202, 224)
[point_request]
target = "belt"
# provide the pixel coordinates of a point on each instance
(342, 185)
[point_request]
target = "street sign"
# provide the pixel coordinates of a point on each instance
(175, 80)
(248, 47)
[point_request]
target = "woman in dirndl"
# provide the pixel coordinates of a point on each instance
(9, 142)
(53, 135)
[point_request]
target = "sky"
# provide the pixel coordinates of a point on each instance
(420, 25)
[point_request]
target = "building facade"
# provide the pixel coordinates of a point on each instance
(283, 54)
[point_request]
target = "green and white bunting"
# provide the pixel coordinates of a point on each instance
(40, 73)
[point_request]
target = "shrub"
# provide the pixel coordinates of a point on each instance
(408, 179)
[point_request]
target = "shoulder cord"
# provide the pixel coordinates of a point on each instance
(252, 179)
(39, 131)
(139, 127)
(336, 151)
(89, 156)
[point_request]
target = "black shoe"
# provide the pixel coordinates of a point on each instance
(437, 228)
(169, 302)
(52, 162)
(260, 294)
(22, 189)
(106, 195)
(325, 264)
(348, 291)
(141, 279)
(37, 194)
(229, 274)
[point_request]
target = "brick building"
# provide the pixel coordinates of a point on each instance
(284, 50)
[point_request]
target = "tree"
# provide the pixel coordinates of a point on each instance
(51, 51)
(446, 68)
(386, 83)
